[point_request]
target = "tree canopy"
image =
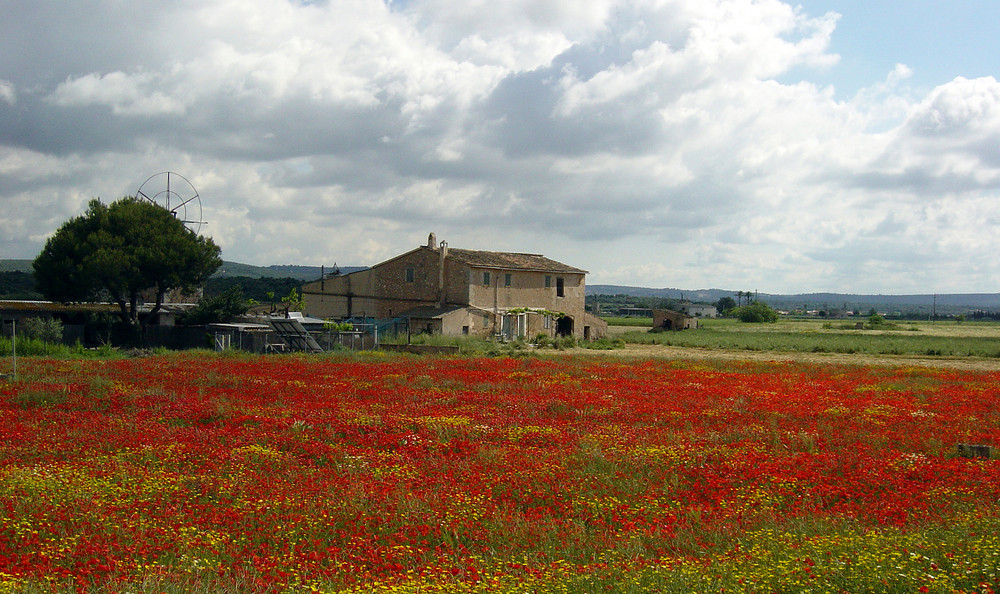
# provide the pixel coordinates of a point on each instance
(756, 313)
(120, 252)
(217, 308)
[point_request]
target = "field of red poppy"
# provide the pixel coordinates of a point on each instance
(205, 473)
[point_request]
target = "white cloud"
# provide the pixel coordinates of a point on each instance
(608, 132)
(126, 95)
(8, 92)
(959, 108)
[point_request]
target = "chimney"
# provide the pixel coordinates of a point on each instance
(442, 255)
(432, 241)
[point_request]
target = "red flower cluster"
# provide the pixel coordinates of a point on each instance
(268, 473)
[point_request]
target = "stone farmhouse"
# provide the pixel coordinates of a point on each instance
(452, 291)
(666, 319)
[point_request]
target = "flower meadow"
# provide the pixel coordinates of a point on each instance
(376, 473)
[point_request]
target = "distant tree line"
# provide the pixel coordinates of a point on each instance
(19, 285)
(22, 286)
(983, 315)
(260, 290)
(612, 303)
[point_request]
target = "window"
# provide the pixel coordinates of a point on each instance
(486, 321)
(548, 282)
(559, 287)
(486, 279)
(506, 280)
(465, 330)
(410, 273)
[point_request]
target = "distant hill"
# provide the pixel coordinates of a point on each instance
(701, 295)
(16, 265)
(302, 273)
(976, 300)
(15, 284)
(943, 303)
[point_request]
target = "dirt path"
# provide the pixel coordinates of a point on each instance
(644, 351)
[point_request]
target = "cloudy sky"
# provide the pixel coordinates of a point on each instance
(838, 145)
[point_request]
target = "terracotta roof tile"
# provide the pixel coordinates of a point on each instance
(510, 261)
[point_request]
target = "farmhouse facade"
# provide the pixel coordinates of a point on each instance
(452, 291)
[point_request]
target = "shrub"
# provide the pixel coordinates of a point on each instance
(564, 342)
(45, 330)
(542, 339)
(604, 344)
(756, 313)
(218, 308)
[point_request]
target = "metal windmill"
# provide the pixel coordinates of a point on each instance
(175, 193)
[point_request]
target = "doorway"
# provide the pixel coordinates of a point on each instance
(564, 326)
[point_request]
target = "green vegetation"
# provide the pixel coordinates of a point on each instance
(14, 265)
(15, 284)
(612, 303)
(631, 322)
(120, 251)
(975, 339)
(33, 347)
(470, 345)
(217, 308)
(757, 312)
(46, 330)
(252, 288)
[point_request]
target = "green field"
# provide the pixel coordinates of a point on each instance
(924, 339)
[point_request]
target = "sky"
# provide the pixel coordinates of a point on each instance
(785, 147)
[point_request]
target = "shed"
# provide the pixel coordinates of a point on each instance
(666, 319)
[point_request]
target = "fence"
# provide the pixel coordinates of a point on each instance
(258, 338)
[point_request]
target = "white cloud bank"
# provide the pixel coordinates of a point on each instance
(649, 142)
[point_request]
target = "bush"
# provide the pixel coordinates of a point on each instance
(219, 308)
(564, 342)
(756, 313)
(604, 344)
(32, 347)
(542, 339)
(45, 330)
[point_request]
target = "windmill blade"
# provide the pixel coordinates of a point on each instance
(184, 205)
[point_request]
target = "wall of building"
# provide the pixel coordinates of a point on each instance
(673, 320)
(527, 289)
(340, 296)
(383, 291)
(409, 278)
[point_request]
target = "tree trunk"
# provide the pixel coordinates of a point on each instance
(134, 309)
(123, 310)
(156, 308)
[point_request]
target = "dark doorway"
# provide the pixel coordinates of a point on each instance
(564, 326)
